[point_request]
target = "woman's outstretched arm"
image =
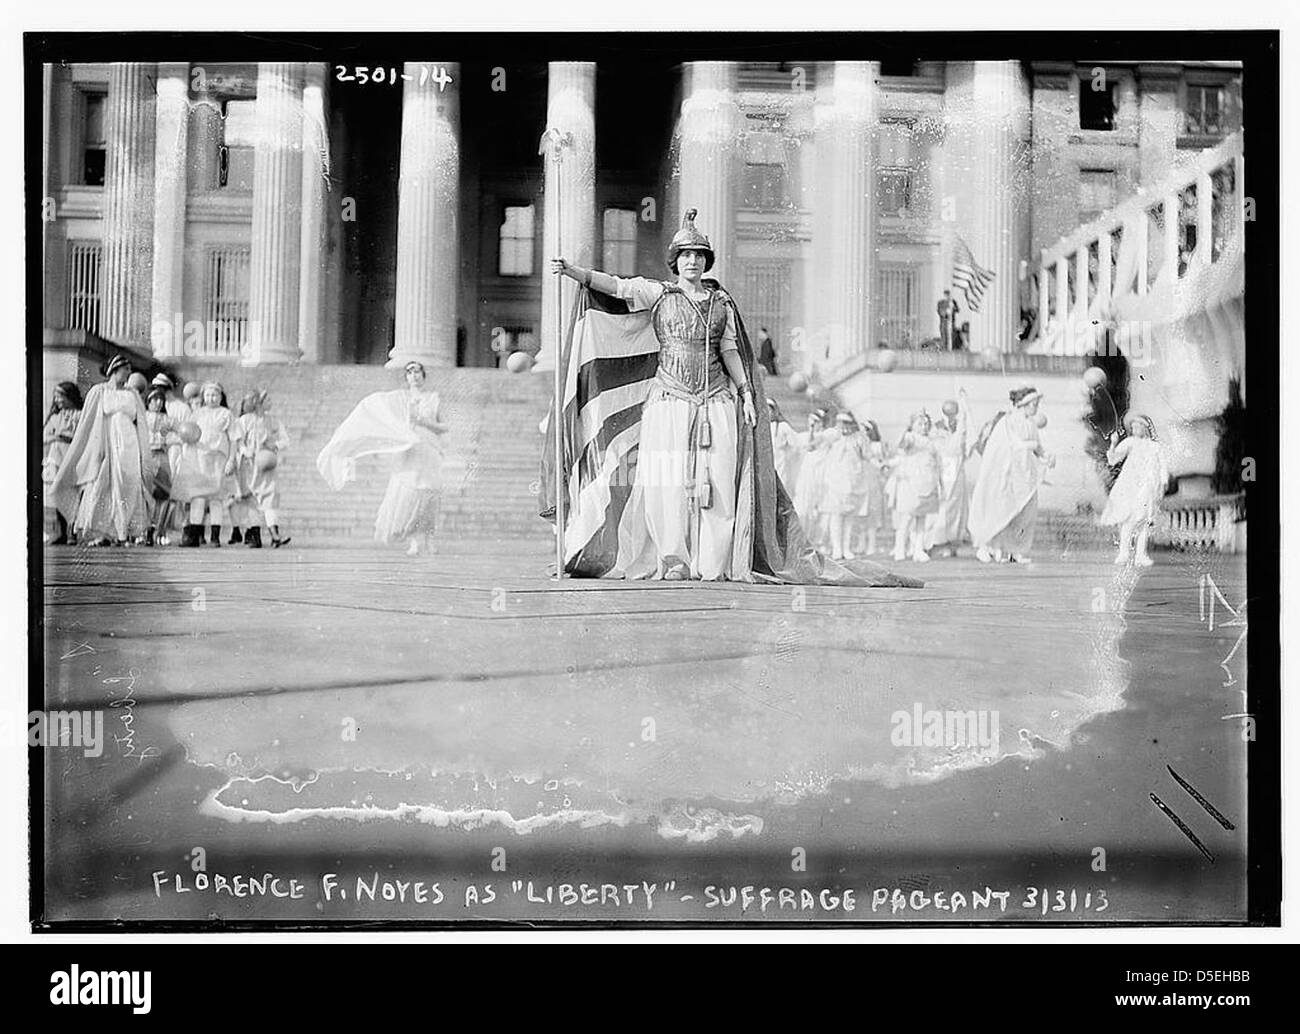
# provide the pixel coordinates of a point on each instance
(593, 278)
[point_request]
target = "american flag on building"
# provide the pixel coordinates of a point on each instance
(968, 276)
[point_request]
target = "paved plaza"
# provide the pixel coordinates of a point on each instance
(360, 722)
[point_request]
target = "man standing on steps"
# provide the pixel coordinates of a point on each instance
(766, 351)
(947, 309)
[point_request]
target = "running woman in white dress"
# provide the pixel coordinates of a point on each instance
(1136, 494)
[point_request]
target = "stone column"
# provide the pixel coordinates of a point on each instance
(170, 184)
(710, 137)
(845, 247)
(987, 176)
(277, 213)
(128, 205)
(315, 187)
(428, 196)
(570, 188)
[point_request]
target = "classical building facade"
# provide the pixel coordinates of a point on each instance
(279, 213)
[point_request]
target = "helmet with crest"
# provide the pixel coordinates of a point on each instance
(688, 238)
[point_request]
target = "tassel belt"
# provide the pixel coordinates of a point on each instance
(700, 432)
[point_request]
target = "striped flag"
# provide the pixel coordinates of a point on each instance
(968, 276)
(610, 362)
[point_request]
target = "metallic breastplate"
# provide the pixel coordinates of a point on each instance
(682, 352)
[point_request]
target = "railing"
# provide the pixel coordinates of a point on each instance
(1218, 522)
(1155, 239)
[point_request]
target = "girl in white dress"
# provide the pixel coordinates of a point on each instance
(161, 434)
(60, 427)
(1137, 491)
(845, 456)
(811, 482)
(260, 440)
(204, 464)
(870, 517)
(946, 527)
(916, 491)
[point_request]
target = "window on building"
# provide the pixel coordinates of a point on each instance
(1096, 103)
(235, 155)
(894, 171)
(225, 300)
(619, 237)
(83, 287)
(897, 302)
(1204, 114)
(765, 188)
(94, 145)
(517, 235)
(1098, 193)
(894, 191)
(765, 297)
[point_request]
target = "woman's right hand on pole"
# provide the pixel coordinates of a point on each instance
(559, 266)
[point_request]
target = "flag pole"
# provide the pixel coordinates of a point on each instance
(558, 140)
(559, 383)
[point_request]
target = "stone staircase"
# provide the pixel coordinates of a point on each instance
(494, 446)
(494, 440)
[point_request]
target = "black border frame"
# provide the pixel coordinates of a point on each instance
(1257, 49)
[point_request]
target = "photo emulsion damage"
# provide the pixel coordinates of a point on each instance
(645, 483)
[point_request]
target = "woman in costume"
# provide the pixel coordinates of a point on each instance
(205, 462)
(405, 425)
(178, 412)
(1004, 503)
(162, 432)
(946, 527)
(870, 517)
(260, 440)
(106, 477)
(665, 465)
(1136, 494)
(690, 425)
(57, 435)
(811, 485)
(916, 488)
(845, 456)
